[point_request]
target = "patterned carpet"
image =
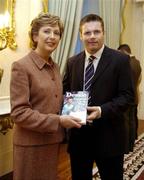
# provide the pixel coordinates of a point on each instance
(133, 163)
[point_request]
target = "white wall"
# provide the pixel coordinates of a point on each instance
(25, 10)
(6, 151)
(134, 36)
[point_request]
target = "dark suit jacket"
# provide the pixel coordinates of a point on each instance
(112, 90)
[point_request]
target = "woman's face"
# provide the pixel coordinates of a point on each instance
(47, 38)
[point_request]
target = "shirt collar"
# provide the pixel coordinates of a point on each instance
(39, 61)
(97, 54)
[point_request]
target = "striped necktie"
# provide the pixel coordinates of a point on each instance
(89, 73)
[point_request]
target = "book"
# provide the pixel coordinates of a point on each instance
(75, 104)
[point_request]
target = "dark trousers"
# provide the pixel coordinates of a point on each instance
(109, 168)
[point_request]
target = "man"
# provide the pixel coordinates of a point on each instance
(136, 75)
(102, 140)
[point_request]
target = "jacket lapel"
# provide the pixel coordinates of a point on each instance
(103, 64)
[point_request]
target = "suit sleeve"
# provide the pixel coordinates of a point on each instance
(125, 92)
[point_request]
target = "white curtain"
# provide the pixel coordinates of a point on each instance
(35, 9)
(110, 11)
(70, 13)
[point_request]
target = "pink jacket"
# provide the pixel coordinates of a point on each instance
(36, 97)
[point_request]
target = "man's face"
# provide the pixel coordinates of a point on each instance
(92, 36)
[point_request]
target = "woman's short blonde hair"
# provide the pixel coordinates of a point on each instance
(41, 20)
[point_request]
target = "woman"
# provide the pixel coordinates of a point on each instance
(36, 97)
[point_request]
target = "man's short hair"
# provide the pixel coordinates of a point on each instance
(89, 18)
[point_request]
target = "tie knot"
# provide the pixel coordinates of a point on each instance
(91, 58)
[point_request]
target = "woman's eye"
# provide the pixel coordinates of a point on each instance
(47, 32)
(57, 33)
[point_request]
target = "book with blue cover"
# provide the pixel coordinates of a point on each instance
(75, 104)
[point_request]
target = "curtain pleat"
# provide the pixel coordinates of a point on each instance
(110, 12)
(70, 13)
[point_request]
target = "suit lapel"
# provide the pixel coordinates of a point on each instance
(103, 64)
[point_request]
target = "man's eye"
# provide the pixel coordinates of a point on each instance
(87, 33)
(97, 32)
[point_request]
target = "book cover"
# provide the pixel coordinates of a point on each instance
(75, 104)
